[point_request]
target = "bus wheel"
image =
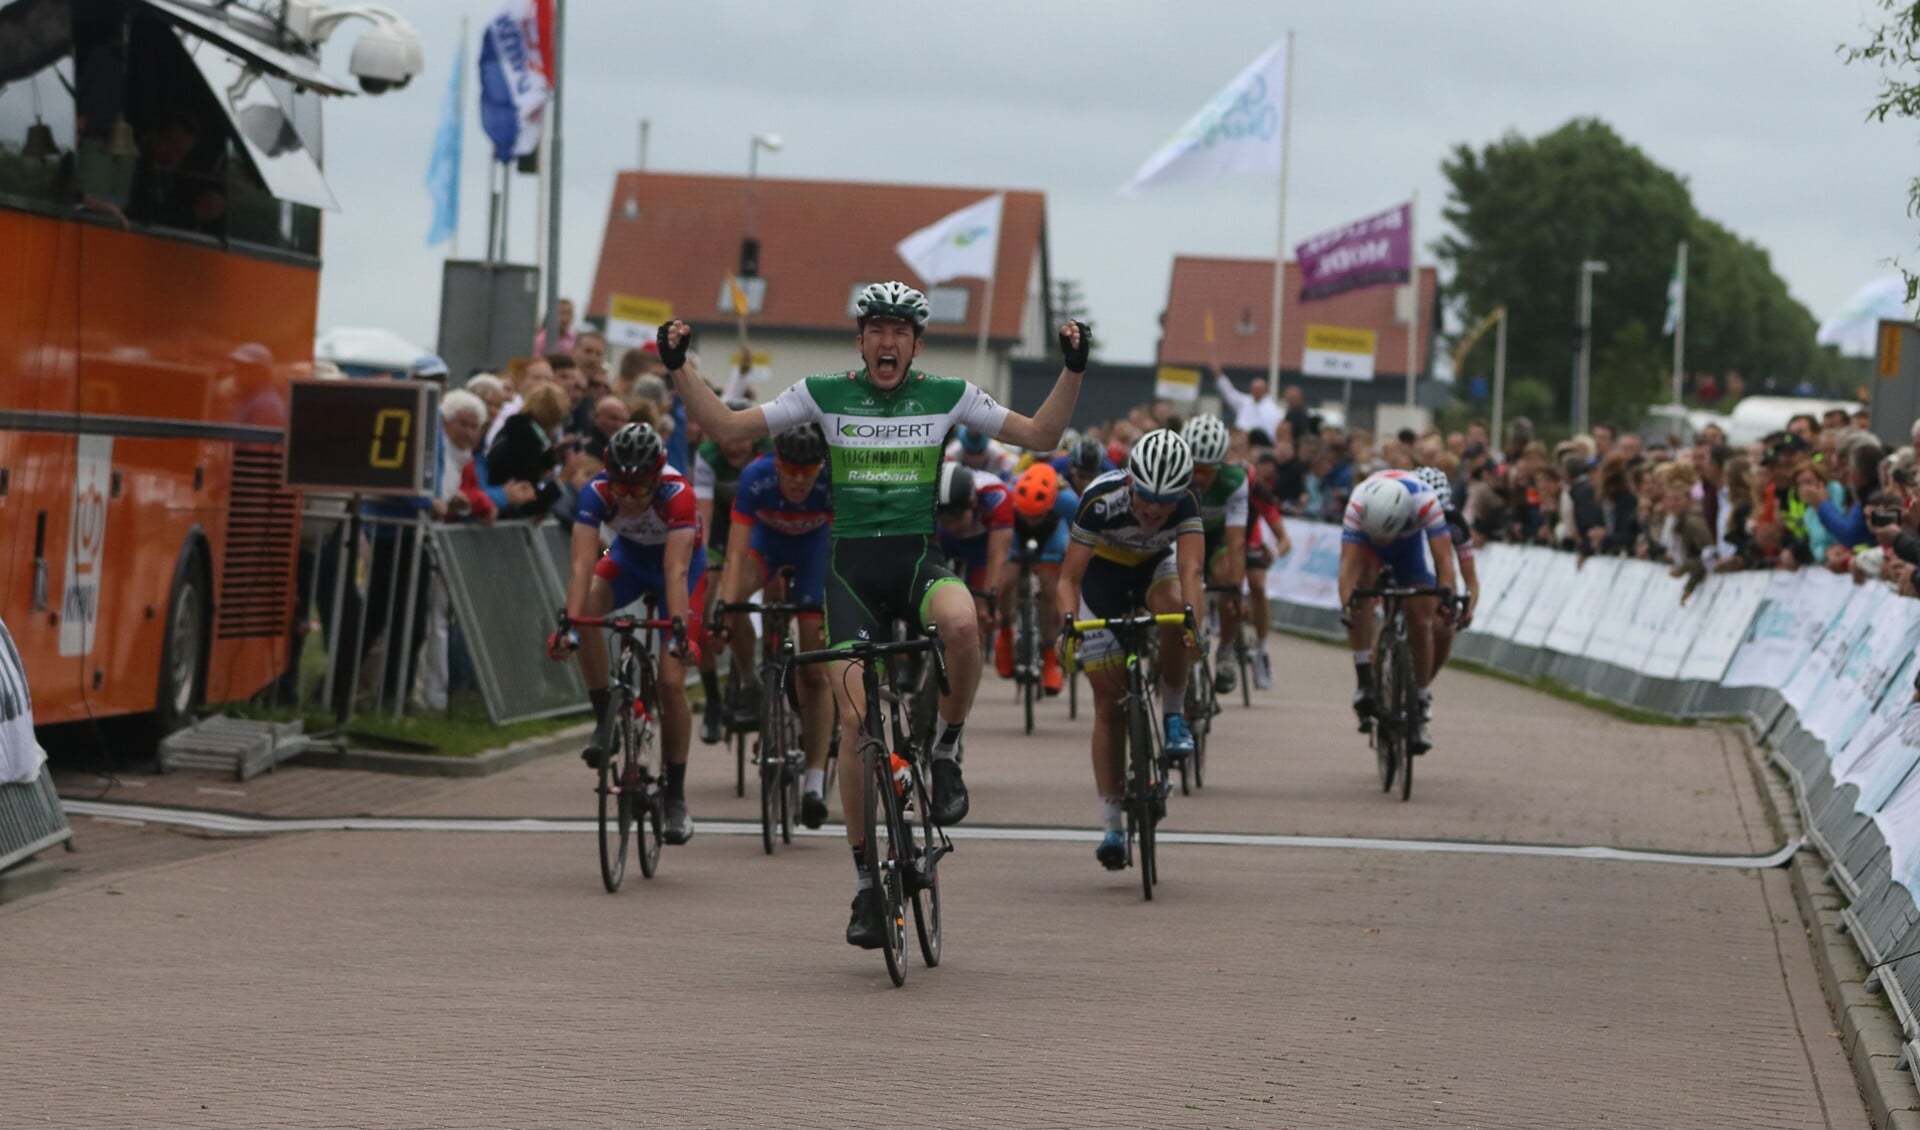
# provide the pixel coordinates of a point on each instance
(183, 655)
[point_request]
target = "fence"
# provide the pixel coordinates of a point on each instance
(1822, 668)
(389, 591)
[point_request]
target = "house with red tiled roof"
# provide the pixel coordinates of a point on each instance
(675, 237)
(1239, 295)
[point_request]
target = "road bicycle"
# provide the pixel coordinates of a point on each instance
(1396, 695)
(1146, 763)
(777, 752)
(1026, 631)
(902, 854)
(631, 788)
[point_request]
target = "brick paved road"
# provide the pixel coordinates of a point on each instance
(423, 979)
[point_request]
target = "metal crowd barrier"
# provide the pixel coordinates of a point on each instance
(372, 575)
(31, 819)
(1881, 915)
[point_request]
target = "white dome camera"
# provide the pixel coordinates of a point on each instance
(386, 56)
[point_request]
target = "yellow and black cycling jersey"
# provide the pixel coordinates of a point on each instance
(1107, 524)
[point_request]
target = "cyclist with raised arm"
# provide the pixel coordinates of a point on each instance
(1222, 489)
(1462, 618)
(1393, 523)
(1043, 511)
(973, 511)
(716, 469)
(656, 551)
(782, 511)
(885, 424)
(1136, 542)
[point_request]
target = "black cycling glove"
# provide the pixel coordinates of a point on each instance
(673, 356)
(1076, 355)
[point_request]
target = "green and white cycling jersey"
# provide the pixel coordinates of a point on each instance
(1224, 503)
(886, 445)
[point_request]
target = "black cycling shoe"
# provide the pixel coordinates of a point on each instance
(595, 755)
(1363, 707)
(678, 828)
(868, 927)
(710, 732)
(1421, 741)
(949, 792)
(813, 809)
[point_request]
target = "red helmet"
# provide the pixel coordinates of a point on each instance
(1036, 492)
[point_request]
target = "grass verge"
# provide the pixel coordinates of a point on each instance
(463, 731)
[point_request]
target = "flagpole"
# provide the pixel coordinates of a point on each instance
(543, 206)
(986, 321)
(1280, 259)
(550, 137)
(1413, 293)
(1680, 325)
(460, 123)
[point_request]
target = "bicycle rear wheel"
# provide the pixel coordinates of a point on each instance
(886, 854)
(616, 810)
(1408, 707)
(926, 887)
(730, 705)
(772, 766)
(1243, 658)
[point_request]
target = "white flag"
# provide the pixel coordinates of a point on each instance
(1676, 293)
(1238, 131)
(962, 245)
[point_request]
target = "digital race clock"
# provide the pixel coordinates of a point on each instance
(368, 436)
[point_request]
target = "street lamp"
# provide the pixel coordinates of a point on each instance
(1583, 361)
(750, 246)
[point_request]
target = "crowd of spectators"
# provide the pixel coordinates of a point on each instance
(1823, 493)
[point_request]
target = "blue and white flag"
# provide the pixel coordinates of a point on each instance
(443, 171)
(514, 83)
(1238, 131)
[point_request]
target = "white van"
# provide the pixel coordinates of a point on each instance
(1756, 416)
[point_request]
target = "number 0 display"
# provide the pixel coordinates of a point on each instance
(398, 455)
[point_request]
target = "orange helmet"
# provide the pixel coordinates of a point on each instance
(1036, 491)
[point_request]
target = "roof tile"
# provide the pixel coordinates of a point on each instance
(1240, 294)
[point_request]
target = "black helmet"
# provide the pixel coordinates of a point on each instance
(803, 446)
(1085, 456)
(634, 452)
(955, 495)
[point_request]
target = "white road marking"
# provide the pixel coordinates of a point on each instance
(229, 824)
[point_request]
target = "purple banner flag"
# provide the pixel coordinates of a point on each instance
(1370, 252)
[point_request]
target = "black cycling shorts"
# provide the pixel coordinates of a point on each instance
(871, 582)
(1110, 591)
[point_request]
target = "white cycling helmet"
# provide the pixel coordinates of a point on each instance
(894, 300)
(1385, 509)
(1436, 479)
(1208, 439)
(1161, 464)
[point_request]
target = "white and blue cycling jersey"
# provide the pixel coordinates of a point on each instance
(1407, 556)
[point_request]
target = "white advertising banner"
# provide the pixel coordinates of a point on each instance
(1310, 574)
(1777, 640)
(1558, 581)
(1886, 751)
(1685, 613)
(1588, 603)
(1607, 644)
(1530, 567)
(1496, 565)
(1828, 646)
(1899, 821)
(1858, 674)
(1736, 598)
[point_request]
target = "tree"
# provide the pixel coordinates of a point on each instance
(1894, 47)
(1525, 215)
(1629, 374)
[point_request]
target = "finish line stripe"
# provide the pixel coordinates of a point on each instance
(229, 824)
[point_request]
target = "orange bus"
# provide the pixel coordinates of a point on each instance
(160, 195)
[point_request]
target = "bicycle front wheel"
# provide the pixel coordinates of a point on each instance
(1385, 733)
(616, 820)
(1407, 705)
(1143, 788)
(886, 855)
(926, 886)
(771, 766)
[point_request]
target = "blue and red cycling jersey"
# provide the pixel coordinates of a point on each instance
(635, 563)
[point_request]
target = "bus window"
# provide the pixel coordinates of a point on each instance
(256, 217)
(36, 112)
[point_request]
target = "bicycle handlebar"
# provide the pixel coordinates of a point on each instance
(1397, 591)
(1134, 623)
(867, 650)
(621, 623)
(733, 607)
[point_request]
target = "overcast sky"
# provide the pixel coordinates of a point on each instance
(1746, 99)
